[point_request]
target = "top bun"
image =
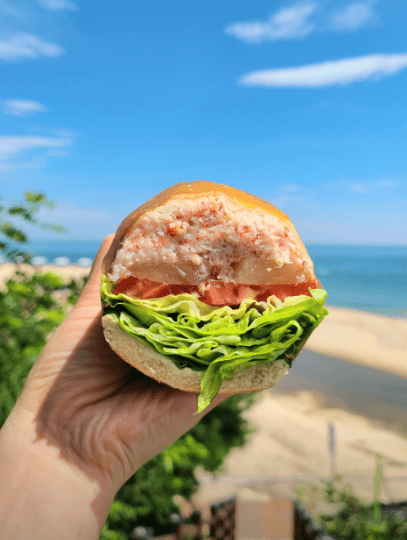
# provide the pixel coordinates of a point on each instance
(259, 243)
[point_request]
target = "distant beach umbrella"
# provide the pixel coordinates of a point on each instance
(62, 261)
(84, 261)
(38, 261)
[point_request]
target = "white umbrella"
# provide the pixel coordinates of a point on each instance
(38, 261)
(62, 261)
(84, 261)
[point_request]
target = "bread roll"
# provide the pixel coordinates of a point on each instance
(217, 244)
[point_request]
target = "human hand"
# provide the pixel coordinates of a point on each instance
(85, 405)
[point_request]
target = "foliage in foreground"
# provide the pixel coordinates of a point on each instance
(358, 521)
(30, 310)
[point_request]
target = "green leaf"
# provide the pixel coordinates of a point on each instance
(34, 197)
(220, 341)
(14, 234)
(14, 253)
(55, 228)
(210, 386)
(27, 211)
(17, 210)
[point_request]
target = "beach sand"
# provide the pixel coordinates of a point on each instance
(71, 271)
(292, 429)
(369, 339)
(290, 449)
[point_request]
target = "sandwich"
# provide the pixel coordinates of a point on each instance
(209, 289)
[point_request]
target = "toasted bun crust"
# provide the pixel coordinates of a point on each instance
(163, 370)
(145, 358)
(191, 190)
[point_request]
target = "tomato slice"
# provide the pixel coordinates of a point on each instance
(217, 293)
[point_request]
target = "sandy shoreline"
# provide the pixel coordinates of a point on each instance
(71, 271)
(365, 338)
(369, 339)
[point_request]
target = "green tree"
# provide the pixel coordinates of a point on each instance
(26, 210)
(29, 312)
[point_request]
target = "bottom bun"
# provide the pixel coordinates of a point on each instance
(162, 369)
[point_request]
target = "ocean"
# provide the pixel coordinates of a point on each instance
(368, 278)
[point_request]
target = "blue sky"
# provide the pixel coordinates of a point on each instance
(102, 105)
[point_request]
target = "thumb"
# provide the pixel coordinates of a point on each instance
(91, 292)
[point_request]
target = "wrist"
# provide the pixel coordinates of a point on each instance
(43, 496)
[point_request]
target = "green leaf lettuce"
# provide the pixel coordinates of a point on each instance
(219, 341)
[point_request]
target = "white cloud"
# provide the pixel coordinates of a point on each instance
(387, 183)
(354, 16)
(56, 5)
(288, 23)
(10, 145)
(27, 46)
(22, 107)
(80, 221)
(344, 71)
(365, 185)
(295, 22)
(68, 212)
(292, 188)
(359, 188)
(8, 166)
(358, 227)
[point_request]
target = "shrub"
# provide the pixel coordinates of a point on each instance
(29, 312)
(356, 520)
(11, 235)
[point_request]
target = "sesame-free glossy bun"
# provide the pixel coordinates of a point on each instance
(144, 357)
